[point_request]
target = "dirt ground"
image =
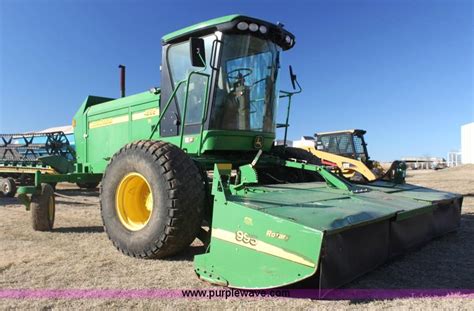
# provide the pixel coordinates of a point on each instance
(78, 255)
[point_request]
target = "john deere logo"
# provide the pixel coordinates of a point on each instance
(258, 142)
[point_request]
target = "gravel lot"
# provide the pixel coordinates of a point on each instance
(78, 255)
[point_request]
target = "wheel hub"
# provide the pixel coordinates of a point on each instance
(134, 201)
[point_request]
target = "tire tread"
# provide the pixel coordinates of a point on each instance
(184, 185)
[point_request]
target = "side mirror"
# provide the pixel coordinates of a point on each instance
(198, 52)
(293, 78)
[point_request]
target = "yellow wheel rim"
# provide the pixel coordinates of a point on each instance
(134, 201)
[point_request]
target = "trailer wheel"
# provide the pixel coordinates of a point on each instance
(152, 198)
(8, 187)
(43, 208)
(87, 185)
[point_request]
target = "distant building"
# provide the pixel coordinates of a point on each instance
(454, 158)
(279, 142)
(415, 163)
(67, 129)
(467, 143)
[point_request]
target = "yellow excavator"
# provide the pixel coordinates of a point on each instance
(346, 152)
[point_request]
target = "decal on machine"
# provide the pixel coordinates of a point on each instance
(277, 235)
(145, 114)
(244, 239)
(248, 221)
(258, 142)
(108, 121)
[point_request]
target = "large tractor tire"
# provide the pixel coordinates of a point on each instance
(43, 209)
(8, 187)
(87, 185)
(152, 199)
(290, 175)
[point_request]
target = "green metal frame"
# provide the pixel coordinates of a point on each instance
(183, 115)
(289, 95)
(331, 179)
(24, 192)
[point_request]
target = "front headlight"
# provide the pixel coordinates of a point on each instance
(253, 27)
(242, 26)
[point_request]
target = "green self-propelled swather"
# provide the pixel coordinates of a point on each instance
(196, 158)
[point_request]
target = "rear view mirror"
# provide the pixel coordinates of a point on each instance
(198, 53)
(293, 78)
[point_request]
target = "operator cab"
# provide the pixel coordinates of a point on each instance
(231, 68)
(348, 143)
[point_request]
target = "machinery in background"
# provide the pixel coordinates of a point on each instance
(23, 155)
(434, 163)
(346, 151)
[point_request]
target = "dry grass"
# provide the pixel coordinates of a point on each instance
(77, 254)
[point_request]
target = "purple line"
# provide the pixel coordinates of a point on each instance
(228, 293)
(382, 294)
(88, 293)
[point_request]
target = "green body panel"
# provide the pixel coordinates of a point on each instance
(236, 140)
(241, 266)
(102, 129)
(412, 191)
(323, 208)
(58, 163)
(252, 249)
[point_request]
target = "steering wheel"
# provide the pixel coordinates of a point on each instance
(258, 81)
(240, 74)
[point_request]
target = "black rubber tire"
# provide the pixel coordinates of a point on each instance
(8, 187)
(87, 185)
(41, 218)
(178, 199)
(286, 174)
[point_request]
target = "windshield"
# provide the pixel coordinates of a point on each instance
(245, 95)
(344, 144)
(359, 148)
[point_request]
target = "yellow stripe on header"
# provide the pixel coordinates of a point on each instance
(261, 247)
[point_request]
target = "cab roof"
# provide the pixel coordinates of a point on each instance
(228, 23)
(351, 131)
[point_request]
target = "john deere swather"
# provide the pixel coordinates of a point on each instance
(198, 153)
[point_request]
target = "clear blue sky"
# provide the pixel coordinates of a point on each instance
(403, 70)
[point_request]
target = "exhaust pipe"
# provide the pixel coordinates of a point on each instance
(122, 80)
